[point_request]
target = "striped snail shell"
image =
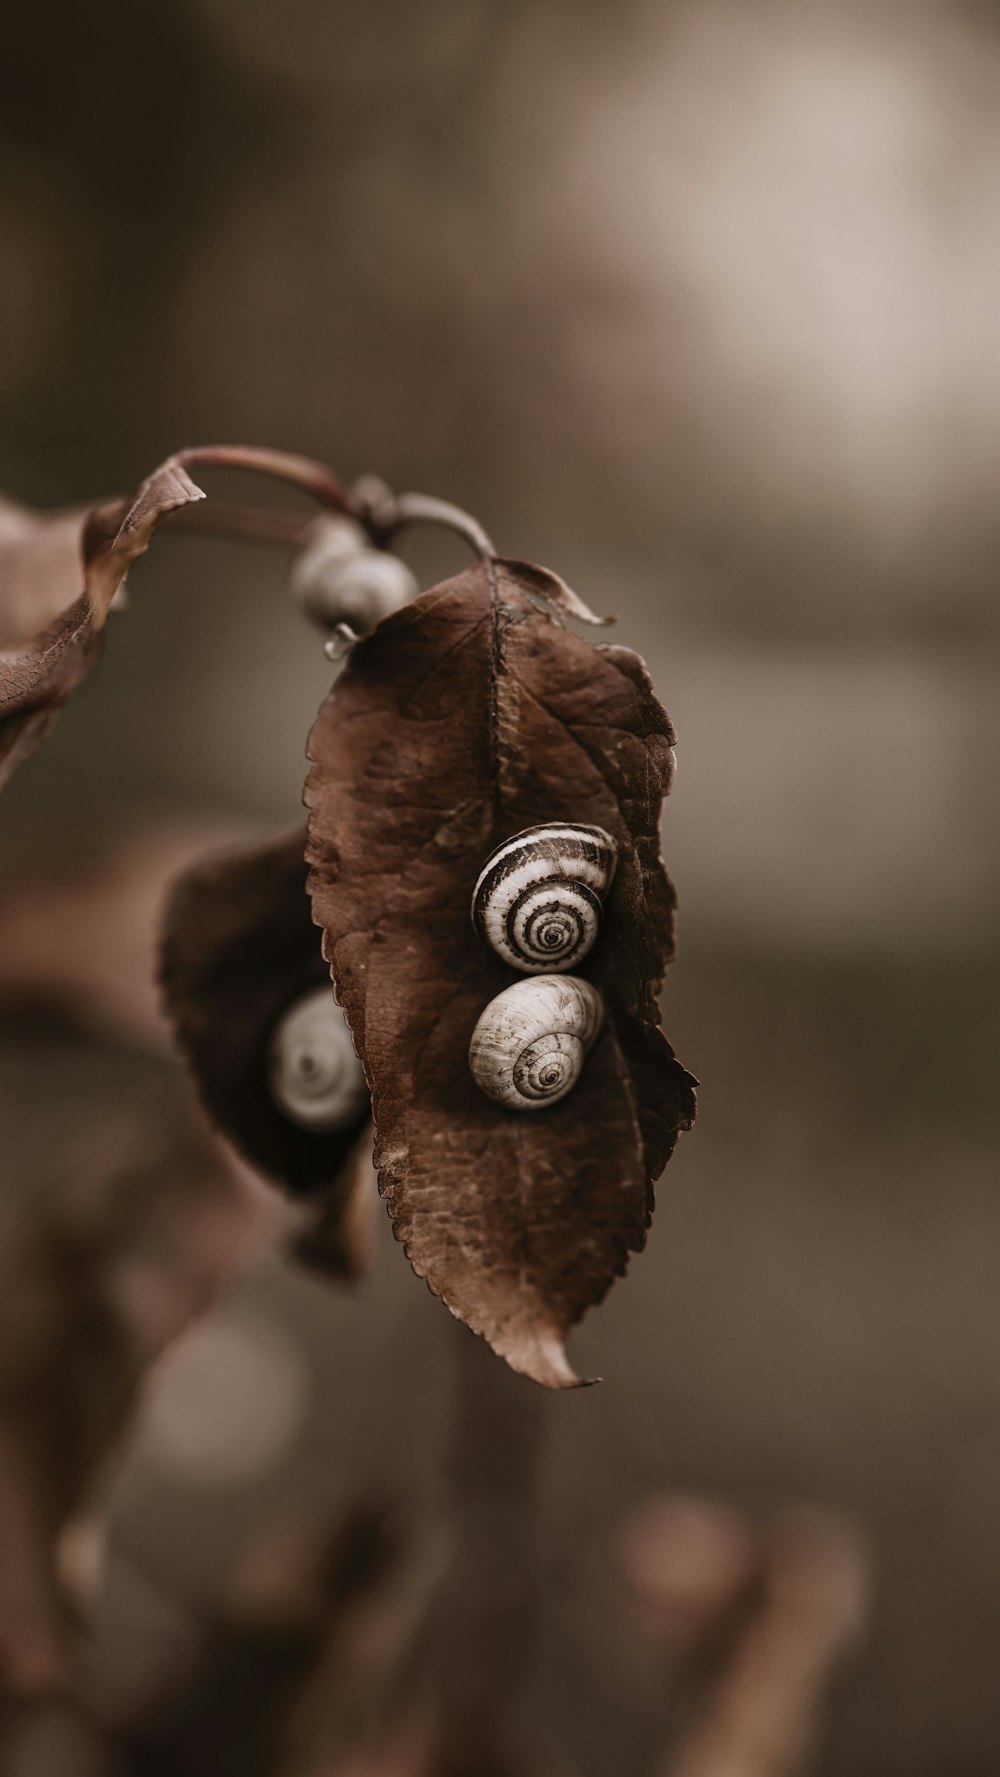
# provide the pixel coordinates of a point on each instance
(537, 901)
(315, 1077)
(530, 1044)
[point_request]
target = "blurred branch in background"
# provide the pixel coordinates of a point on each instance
(95, 1280)
(456, 1698)
(102, 1266)
(294, 1658)
(759, 1708)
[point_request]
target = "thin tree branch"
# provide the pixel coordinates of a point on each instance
(759, 1719)
(303, 472)
(385, 513)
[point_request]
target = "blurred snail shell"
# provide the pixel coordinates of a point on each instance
(538, 898)
(338, 578)
(315, 1077)
(529, 1046)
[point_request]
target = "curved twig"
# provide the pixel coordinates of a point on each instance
(303, 472)
(384, 513)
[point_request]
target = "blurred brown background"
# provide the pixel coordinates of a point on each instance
(696, 303)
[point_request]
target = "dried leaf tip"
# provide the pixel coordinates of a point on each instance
(167, 489)
(553, 591)
(40, 673)
(107, 558)
(540, 1354)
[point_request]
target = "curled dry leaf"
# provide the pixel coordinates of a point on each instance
(465, 718)
(40, 568)
(239, 947)
(552, 590)
(50, 630)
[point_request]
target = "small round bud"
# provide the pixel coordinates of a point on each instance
(338, 578)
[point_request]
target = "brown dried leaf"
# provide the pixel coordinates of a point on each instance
(552, 589)
(238, 948)
(461, 720)
(40, 568)
(40, 667)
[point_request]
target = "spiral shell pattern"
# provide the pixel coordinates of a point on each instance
(315, 1077)
(530, 1044)
(537, 901)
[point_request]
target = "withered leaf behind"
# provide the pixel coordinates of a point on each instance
(41, 556)
(238, 948)
(42, 662)
(465, 718)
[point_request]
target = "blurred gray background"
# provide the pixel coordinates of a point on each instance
(696, 303)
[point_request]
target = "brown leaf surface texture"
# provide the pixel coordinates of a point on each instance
(50, 629)
(464, 718)
(239, 947)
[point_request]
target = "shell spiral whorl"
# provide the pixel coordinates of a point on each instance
(537, 901)
(529, 1046)
(315, 1077)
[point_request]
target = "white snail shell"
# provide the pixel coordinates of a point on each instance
(538, 898)
(529, 1046)
(338, 578)
(315, 1077)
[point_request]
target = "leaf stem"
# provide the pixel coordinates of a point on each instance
(369, 501)
(303, 472)
(384, 513)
